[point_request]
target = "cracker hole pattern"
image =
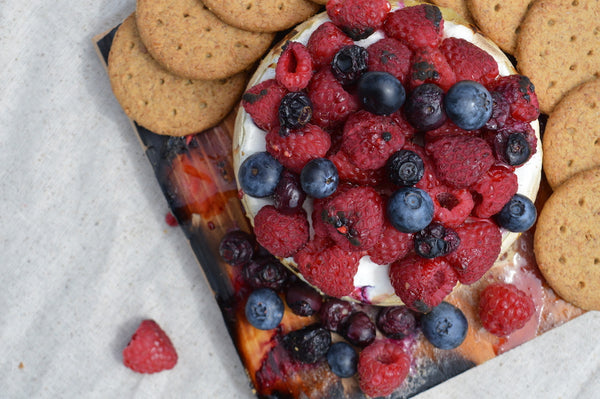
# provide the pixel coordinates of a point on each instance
(596, 261)
(161, 81)
(575, 3)
(590, 53)
(597, 142)
(570, 163)
(581, 202)
(551, 22)
(174, 111)
(573, 67)
(573, 38)
(563, 229)
(562, 260)
(497, 7)
(248, 6)
(581, 285)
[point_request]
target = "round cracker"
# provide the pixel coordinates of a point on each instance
(572, 136)
(263, 15)
(558, 47)
(500, 20)
(190, 41)
(459, 6)
(159, 100)
(567, 240)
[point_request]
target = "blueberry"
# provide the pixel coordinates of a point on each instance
(264, 309)
(302, 299)
(288, 196)
(405, 168)
(396, 322)
(295, 111)
(445, 326)
(380, 92)
(517, 149)
(349, 63)
(424, 107)
(259, 174)
(342, 359)
(410, 209)
(334, 313)
(518, 214)
(308, 344)
(436, 240)
(468, 104)
(319, 178)
(359, 329)
(265, 272)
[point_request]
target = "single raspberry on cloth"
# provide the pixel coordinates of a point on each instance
(382, 367)
(480, 243)
(325, 42)
(391, 56)
(370, 139)
(460, 160)
(358, 18)
(327, 266)
(519, 92)
(294, 67)
(354, 218)
(261, 102)
(150, 350)
(393, 245)
(332, 104)
(426, 19)
(503, 308)
(428, 65)
(280, 233)
(422, 283)
(493, 190)
(298, 147)
(468, 61)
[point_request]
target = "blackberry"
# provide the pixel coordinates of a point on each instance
(436, 240)
(308, 344)
(405, 168)
(295, 111)
(517, 150)
(424, 107)
(396, 322)
(349, 63)
(236, 247)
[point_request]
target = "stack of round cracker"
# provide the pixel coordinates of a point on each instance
(178, 67)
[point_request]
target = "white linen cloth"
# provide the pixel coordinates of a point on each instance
(85, 253)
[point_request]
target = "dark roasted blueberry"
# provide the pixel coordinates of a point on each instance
(445, 326)
(302, 299)
(424, 107)
(295, 111)
(259, 174)
(308, 344)
(468, 104)
(436, 240)
(342, 359)
(288, 196)
(405, 168)
(396, 322)
(236, 247)
(334, 312)
(518, 215)
(264, 309)
(359, 329)
(410, 209)
(319, 178)
(380, 92)
(517, 149)
(266, 272)
(349, 63)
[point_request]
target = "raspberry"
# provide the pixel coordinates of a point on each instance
(294, 67)
(370, 139)
(480, 242)
(460, 160)
(358, 18)
(448, 129)
(508, 149)
(354, 218)
(261, 102)
(318, 223)
(300, 146)
(331, 103)
(428, 65)
(468, 61)
(503, 308)
(150, 350)
(451, 206)
(422, 283)
(426, 19)
(325, 42)
(393, 245)
(279, 233)
(348, 171)
(392, 56)
(519, 92)
(328, 267)
(500, 111)
(382, 367)
(494, 189)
